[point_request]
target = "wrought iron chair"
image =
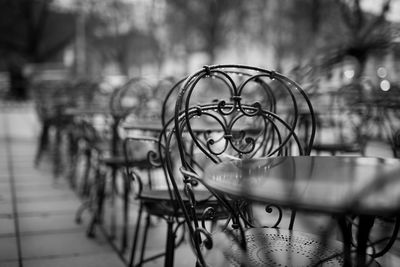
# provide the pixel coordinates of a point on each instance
(106, 157)
(143, 170)
(52, 98)
(142, 156)
(112, 162)
(255, 114)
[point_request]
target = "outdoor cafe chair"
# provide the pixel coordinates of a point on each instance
(145, 172)
(233, 98)
(109, 159)
(161, 202)
(148, 182)
(52, 98)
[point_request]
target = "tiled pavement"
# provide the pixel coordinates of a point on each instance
(37, 211)
(37, 227)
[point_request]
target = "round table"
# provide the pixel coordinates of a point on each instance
(365, 187)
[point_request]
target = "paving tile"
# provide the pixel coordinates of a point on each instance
(27, 178)
(5, 187)
(66, 244)
(12, 263)
(47, 196)
(5, 196)
(30, 171)
(22, 156)
(6, 208)
(389, 259)
(4, 177)
(183, 257)
(24, 162)
(8, 249)
(46, 206)
(7, 226)
(87, 260)
(44, 194)
(33, 184)
(51, 223)
(22, 189)
(24, 153)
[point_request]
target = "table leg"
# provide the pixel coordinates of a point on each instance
(365, 224)
(345, 228)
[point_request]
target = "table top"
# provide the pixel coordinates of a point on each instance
(332, 184)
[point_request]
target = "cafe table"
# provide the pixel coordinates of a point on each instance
(360, 187)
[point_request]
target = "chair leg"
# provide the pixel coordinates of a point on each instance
(43, 142)
(97, 216)
(88, 165)
(170, 246)
(292, 218)
(72, 152)
(57, 165)
(90, 232)
(73, 161)
(345, 229)
(78, 215)
(124, 239)
(144, 241)
(135, 236)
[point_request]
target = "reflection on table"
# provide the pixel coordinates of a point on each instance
(365, 187)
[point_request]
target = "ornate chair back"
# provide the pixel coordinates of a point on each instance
(233, 111)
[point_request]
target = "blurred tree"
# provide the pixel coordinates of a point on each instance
(31, 31)
(204, 25)
(294, 29)
(119, 36)
(363, 35)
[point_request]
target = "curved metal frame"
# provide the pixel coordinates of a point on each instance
(280, 131)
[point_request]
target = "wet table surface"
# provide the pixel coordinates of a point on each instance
(364, 187)
(359, 185)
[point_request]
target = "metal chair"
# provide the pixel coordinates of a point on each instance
(143, 173)
(255, 113)
(155, 201)
(105, 153)
(52, 98)
(111, 179)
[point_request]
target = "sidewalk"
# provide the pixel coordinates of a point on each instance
(37, 227)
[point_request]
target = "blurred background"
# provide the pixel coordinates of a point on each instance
(314, 42)
(72, 71)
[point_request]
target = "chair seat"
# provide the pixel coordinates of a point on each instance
(120, 161)
(158, 202)
(163, 194)
(275, 247)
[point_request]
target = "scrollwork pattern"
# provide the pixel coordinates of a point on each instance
(253, 112)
